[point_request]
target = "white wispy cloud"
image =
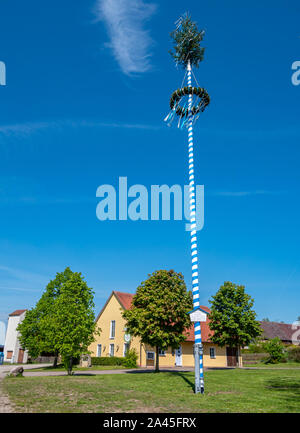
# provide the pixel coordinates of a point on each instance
(23, 129)
(18, 289)
(129, 40)
(20, 130)
(22, 275)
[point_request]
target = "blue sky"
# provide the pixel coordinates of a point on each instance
(88, 86)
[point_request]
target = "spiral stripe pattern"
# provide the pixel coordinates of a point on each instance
(192, 203)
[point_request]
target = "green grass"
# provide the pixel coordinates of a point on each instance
(226, 391)
(75, 368)
(273, 366)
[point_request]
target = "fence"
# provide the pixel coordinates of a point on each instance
(253, 358)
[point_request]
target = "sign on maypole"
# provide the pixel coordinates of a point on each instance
(187, 103)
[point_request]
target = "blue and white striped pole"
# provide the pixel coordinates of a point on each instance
(198, 347)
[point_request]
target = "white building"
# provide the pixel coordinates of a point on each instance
(13, 352)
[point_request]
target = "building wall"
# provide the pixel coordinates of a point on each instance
(113, 311)
(168, 360)
(11, 339)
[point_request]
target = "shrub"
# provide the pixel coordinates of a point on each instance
(107, 360)
(293, 354)
(130, 360)
(255, 348)
(276, 351)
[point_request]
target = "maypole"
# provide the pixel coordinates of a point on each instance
(188, 53)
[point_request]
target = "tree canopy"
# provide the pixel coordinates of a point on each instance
(159, 311)
(36, 332)
(62, 322)
(186, 42)
(232, 318)
(73, 317)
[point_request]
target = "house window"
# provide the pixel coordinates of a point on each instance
(161, 352)
(150, 355)
(9, 354)
(111, 350)
(125, 349)
(112, 329)
(212, 352)
(99, 350)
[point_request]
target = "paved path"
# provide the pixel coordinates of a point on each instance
(98, 372)
(116, 371)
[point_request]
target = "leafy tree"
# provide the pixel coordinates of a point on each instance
(36, 333)
(265, 320)
(159, 311)
(73, 318)
(232, 318)
(275, 349)
(62, 322)
(29, 333)
(186, 40)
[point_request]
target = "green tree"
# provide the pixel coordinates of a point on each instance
(36, 333)
(265, 320)
(232, 318)
(73, 318)
(275, 349)
(186, 41)
(51, 326)
(159, 311)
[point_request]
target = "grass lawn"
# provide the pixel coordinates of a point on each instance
(226, 391)
(75, 368)
(274, 366)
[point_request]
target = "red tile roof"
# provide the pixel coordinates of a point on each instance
(17, 313)
(125, 300)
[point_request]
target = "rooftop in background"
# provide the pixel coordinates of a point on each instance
(125, 300)
(284, 331)
(17, 313)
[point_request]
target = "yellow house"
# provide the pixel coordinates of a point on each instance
(115, 341)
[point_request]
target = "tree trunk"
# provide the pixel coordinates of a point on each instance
(70, 366)
(157, 360)
(55, 360)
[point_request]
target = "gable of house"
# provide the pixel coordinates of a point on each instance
(113, 327)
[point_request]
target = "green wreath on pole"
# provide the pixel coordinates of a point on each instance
(176, 97)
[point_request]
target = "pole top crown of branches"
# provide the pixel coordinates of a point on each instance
(186, 39)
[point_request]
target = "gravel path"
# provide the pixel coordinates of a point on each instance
(5, 405)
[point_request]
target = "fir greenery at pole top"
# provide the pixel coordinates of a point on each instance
(186, 39)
